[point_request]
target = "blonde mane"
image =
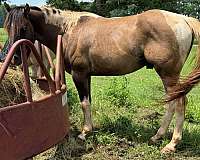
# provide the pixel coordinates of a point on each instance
(65, 19)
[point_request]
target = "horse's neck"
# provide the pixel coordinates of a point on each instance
(47, 35)
(57, 22)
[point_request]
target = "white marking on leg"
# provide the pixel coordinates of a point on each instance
(170, 108)
(177, 135)
(87, 126)
(87, 115)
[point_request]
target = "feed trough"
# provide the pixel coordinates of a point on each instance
(28, 128)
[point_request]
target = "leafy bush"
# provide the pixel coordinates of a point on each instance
(118, 92)
(72, 97)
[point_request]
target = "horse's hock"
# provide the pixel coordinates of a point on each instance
(28, 128)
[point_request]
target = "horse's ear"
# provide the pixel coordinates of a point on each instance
(26, 10)
(7, 7)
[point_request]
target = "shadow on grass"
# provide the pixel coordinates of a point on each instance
(71, 147)
(190, 145)
(124, 127)
(127, 134)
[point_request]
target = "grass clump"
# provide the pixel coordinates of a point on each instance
(118, 92)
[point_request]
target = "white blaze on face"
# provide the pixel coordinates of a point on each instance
(182, 32)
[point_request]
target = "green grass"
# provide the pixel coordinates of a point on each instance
(3, 36)
(126, 113)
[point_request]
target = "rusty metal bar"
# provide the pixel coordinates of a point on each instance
(35, 53)
(27, 85)
(50, 60)
(58, 63)
(7, 60)
(45, 72)
(62, 71)
(40, 73)
(26, 140)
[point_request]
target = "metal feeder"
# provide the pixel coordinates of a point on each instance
(32, 127)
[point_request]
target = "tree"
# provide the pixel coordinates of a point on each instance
(100, 7)
(189, 7)
(2, 1)
(65, 4)
(2, 14)
(110, 8)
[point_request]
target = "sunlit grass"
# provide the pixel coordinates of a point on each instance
(3, 36)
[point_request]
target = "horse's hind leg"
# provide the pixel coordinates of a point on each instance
(82, 83)
(170, 108)
(177, 134)
(177, 106)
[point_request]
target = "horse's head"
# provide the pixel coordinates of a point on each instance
(18, 26)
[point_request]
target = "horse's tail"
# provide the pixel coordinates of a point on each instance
(193, 78)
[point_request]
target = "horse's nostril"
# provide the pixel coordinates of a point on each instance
(16, 60)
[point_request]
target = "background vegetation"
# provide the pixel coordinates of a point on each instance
(110, 8)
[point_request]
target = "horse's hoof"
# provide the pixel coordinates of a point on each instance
(168, 149)
(87, 128)
(82, 136)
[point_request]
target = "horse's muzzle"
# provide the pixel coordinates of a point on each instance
(16, 60)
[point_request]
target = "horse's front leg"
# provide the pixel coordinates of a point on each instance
(82, 83)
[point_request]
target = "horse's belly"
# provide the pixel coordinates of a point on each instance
(115, 65)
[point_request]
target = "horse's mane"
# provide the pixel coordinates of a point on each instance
(14, 15)
(66, 19)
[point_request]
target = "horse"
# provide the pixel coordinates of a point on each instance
(99, 46)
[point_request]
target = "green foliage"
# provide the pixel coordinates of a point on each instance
(189, 7)
(3, 35)
(113, 8)
(2, 14)
(2, 1)
(72, 97)
(65, 4)
(118, 92)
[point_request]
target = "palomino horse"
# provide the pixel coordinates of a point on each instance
(95, 45)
